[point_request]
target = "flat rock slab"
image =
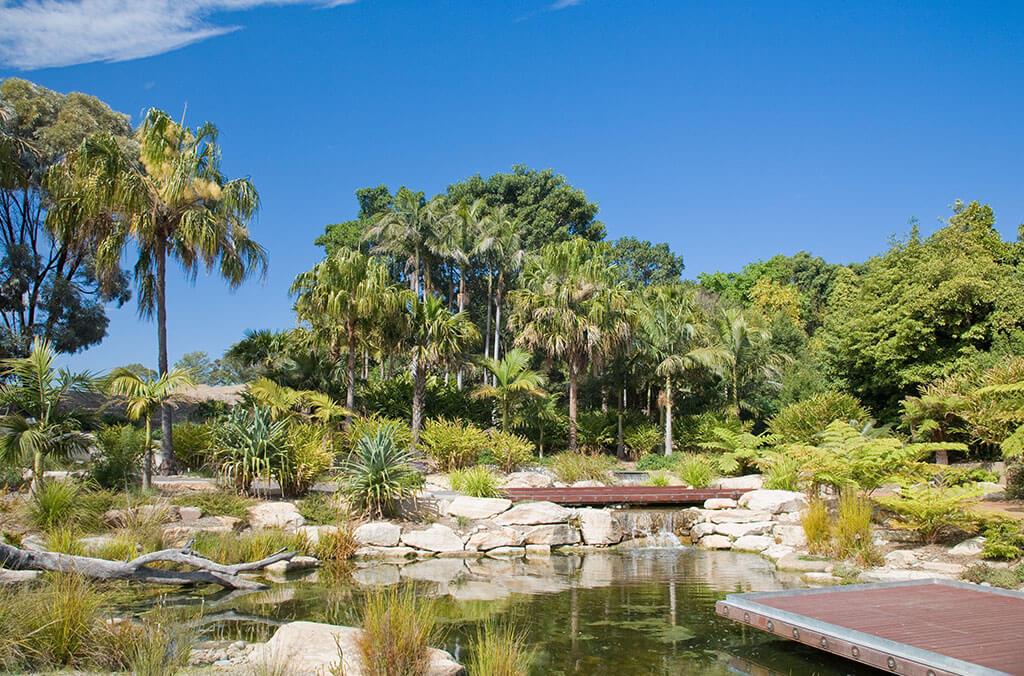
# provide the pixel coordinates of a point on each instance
(436, 538)
(774, 501)
(802, 565)
(477, 508)
(378, 534)
(534, 514)
(275, 515)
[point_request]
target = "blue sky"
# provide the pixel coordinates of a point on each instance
(732, 130)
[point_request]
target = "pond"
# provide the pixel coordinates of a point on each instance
(647, 611)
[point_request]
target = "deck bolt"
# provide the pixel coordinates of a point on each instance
(892, 663)
(746, 617)
(855, 651)
(796, 633)
(824, 642)
(771, 626)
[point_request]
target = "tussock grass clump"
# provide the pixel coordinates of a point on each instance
(340, 545)
(510, 451)
(853, 530)
(817, 527)
(398, 628)
(216, 503)
(659, 479)
(572, 467)
(230, 548)
(695, 469)
(476, 482)
(500, 651)
(64, 540)
(54, 503)
(156, 645)
(318, 508)
(452, 444)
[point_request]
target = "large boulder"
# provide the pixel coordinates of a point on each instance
(314, 533)
(528, 480)
(599, 527)
(719, 503)
(715, 542)
(282, 515)
(699, 530)
(554, 535)
(790, 535)
(738, 516)
(738, 530)
(752, 543)
(493, 538)
(971, 547)
(733, 483)
(436, 538)
(774, 501)
(533, 514)
(378, 534)
(176, 535)
(315, 648)
(477, 508)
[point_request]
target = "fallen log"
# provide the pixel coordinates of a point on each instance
(139, 569)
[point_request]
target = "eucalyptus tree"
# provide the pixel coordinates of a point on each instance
(435, 335)
(145, 395)
(514, 383)
(743, 342)
(342, 298)
(164, 194)
(572, 308)
(36, 426)
(669, 325)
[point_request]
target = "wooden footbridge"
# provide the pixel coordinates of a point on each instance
(623, 495)
(918, 628)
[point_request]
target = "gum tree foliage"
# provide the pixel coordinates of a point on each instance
(926, 308)
(644, 264)
(550, 209)
(349, 234)
(48, 282)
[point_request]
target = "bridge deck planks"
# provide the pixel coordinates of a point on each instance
(925, 627)
(623, 495)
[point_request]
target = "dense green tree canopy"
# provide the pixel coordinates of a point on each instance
(644, 264)
(926, 308)
(48, 281)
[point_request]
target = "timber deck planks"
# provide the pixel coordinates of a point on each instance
(623, 495)
(919, 628)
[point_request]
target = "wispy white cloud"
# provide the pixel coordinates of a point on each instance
(46, 33)
(565, 4)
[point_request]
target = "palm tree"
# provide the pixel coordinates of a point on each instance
(571, 308)
(341, 298)
(406, 231)
(463, 230)
(670, 337)
(501, 244)
(166, 195)
(143, 396)
(37, 425)
(514, 382)
(744, 344)
(435, 335)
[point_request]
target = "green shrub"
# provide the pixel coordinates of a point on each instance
(781, 472)
(251, 445)
(594, 432)
(817, 527)
(320, 508)
(695, 469)
(378, 475)
(369, 426)
(452, 444)
(311, 454)
(399, 626)
(55, 503)
(803, 421)
(1004, 541)
(121, 449)
(853, 530)
(1015, 480)
(1006, 578)
(934, 513)
(476, 482)
(572, 467)
(193, 445)
(642, 439)
(510, 451)
(216, 503)
(500, 651)
(656, 461)
(949, 475)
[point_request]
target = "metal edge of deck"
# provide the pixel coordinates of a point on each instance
(851, 643)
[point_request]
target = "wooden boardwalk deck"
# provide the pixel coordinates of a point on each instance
(623, 495)
(919, 628)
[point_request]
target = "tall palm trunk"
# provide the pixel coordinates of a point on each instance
(487, 330)
(419, 386)
(573, 403)
(38, 469)
(350, 393)
(499, 292)
(462, 307)
(147, 456)
(620, 432)
(166, 414)
(736, 390)
(668, 416)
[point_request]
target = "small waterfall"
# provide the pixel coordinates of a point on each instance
(650, 529)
